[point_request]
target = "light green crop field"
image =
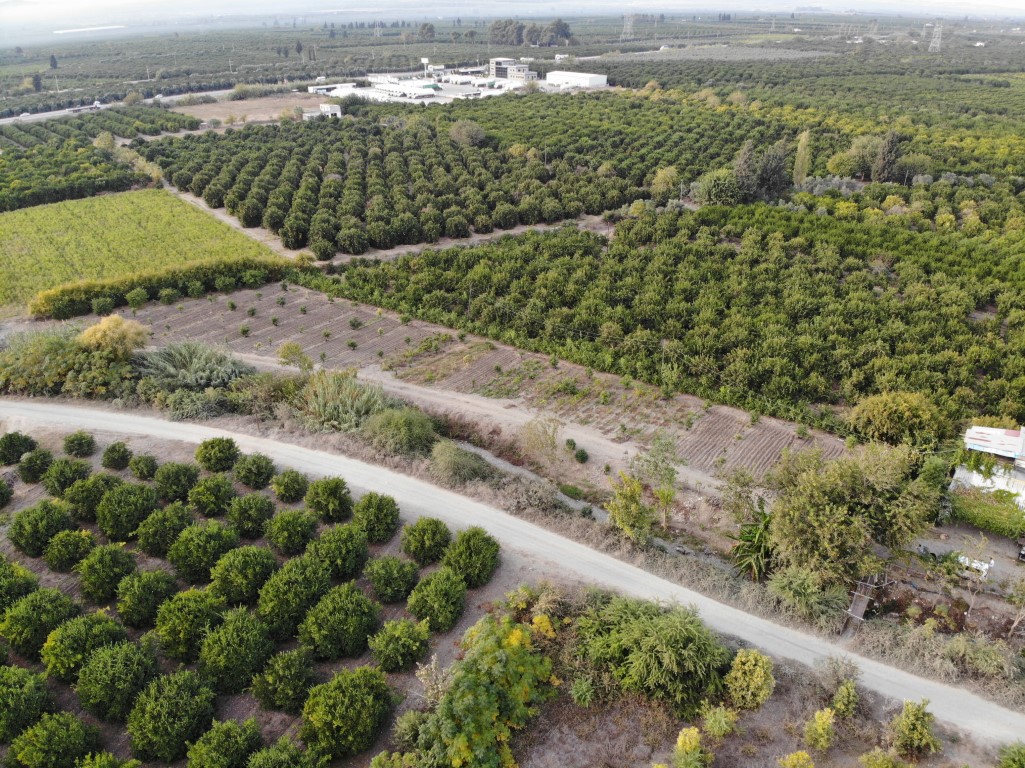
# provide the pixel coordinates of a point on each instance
(108, 236)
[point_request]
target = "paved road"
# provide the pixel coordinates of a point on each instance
(984, 720)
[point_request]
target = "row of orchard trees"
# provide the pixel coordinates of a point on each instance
(806, 309)
(239, 602)
(356, 186)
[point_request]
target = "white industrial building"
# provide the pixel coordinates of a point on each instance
(326, 110)
(576, 80)
(325, 88)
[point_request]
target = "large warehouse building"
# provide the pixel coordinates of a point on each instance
(576, 80)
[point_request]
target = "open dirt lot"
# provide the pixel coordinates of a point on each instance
(266, 108)
(609, 417)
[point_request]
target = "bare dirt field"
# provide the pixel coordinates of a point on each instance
(472, 377)
(263, 109)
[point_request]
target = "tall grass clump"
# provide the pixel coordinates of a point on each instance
(191, 365)
(336, 401)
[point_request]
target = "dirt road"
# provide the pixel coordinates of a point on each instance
(984, 720)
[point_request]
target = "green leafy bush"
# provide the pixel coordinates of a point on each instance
(218, 454)
(33, 465)
(400, 644)
(228, 744)
(184, 620)
(144, 466)
(123, 509)
(426, 540)
(79, 444)
(161, 529)
(290, 593)
(877, 758)
(249, 514)
(282, 754)
(112, 678)
(819, 730)
(439, 598)
(291, 530)
(343, 549)
(996, 512)
(174, 480)
(663, 653)
(391, 577)
(32, 529)
(342, 718)
(57, 740)
(329, 497)
(238, 576)
(1011, 756)
(101, 571)
(15, 582)
(172, 712)
(234, 651)
(106, 760)
(802, 590)
(378, 515)
(28, 622)
(254, 471)
(117, 456)
(339, 624)
(14, 445)
(401, 431)
(289, 486)
(83, 496)
(67, 548)
(750, 682)
(139, 595)
(62, 473)
(845, 699)
(212, 495)
(6, 492)
(473, 555)
(719, 721)
(24, 698)
(198, 548)
(71, 644)
(455, 465)
(912, 731)
(285, 681)
(499, 658)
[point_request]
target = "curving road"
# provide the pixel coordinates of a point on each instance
(984, 720)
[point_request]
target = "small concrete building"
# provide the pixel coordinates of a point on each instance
(510, 69)
(561, 79)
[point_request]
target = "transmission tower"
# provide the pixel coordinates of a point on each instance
(937, 38)
(773, 27)
(628, 28)
(377, 29)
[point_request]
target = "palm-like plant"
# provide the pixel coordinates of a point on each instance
(752, 552)
(191, 365)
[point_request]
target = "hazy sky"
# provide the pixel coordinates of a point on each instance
(62, 14)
